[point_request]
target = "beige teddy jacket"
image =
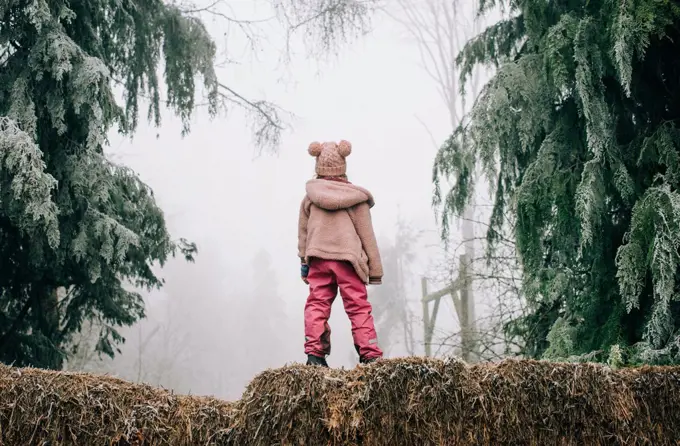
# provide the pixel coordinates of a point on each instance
(335, 224)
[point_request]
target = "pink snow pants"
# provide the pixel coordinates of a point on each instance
(325, 277)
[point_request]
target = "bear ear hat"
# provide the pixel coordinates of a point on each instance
(344, 148)
(315, 148)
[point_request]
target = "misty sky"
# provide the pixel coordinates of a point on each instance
(217, 191)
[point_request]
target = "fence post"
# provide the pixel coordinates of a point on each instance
(427, 338)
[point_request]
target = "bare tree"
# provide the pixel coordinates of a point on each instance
(82, 355)
(154, 350)
(394, 319)
(162, 346)
(325, 24)
(497, 277)
(441, 28)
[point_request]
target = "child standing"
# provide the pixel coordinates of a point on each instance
(338, 250)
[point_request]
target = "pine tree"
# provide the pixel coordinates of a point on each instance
(74, 226)
(70, 218)
(578, 135)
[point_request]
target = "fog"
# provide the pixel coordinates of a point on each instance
(238, 309)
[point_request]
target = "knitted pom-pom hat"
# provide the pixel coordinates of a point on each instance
(330, 157)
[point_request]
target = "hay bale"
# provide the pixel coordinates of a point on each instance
(292, 405)
(532, 402)
(385, 403)
(657, 395)
(412, 401)
(59, 408)
(419, 401)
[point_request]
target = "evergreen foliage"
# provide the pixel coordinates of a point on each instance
(75, 227)
(577, 133)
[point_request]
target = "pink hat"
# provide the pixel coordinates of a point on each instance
(330, 157)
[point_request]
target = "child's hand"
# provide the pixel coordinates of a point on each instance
(304, 272)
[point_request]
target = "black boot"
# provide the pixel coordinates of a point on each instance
(367, 361)
(316, 360)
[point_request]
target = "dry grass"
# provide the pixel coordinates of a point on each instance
(58, 408)
(411, 401)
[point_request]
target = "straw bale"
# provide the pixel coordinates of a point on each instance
(657, 396)
(419, 401)
(410, 401)
(59, 408)
(532, 402)
(292, 405)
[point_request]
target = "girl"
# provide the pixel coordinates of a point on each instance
(338, 250)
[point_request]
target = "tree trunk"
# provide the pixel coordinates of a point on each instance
(46, 313)
(468, 327)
